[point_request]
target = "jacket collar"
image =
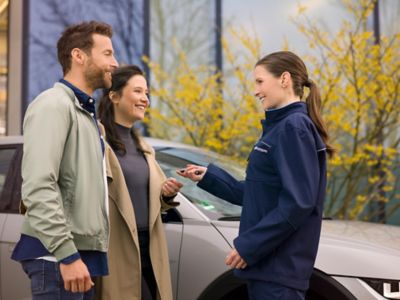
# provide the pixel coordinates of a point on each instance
(81, 95)
(70, 93)
(275, 115)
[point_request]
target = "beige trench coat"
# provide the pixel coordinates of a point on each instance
(124, 279)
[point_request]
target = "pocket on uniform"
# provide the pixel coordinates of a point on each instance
(262, 147)
(260, 160)
(35, 269)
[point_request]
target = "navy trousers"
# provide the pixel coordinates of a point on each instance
(47, 283)
(264, 290)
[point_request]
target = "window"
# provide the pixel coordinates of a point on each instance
(171, 159)
(48, 19)
(3, 64)
(10, 178)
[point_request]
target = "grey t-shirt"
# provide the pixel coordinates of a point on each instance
(136, 173)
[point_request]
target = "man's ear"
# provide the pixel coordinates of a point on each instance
(78, 56)
(285, 79)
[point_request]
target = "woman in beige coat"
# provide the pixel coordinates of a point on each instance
(138, 191)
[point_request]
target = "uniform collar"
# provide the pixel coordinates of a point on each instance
(275, 115)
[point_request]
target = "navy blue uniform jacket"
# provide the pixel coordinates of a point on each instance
(282, 198)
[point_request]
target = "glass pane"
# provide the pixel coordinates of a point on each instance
(171, 159)
(389, 17)
(3, 64)
(49, 18)
(10, 179)
(5, 158)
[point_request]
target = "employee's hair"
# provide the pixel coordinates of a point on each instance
(285, 61)
(120, 78)
(79, 36)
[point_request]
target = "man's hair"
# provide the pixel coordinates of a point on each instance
(79, 36)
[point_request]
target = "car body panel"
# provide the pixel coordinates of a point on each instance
(12, 226)
(174, 233)
(344, 245)
(202, 258)
(14, 282)
(351, 242)
(187, 210)
(11, 140)
(358, 288)
(2, 221)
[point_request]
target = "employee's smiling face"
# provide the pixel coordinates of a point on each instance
(268, 88)
(131, 105)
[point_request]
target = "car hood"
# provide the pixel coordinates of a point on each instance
(349, 248)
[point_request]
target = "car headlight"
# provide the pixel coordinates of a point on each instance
(385, 287)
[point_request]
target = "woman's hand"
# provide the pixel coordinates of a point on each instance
(193, 172)
(171, 187)
(234, 260)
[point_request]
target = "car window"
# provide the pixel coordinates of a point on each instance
(215, 208)
(204, 157)
(10, 179)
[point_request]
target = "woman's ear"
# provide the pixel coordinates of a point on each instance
(114, 97)
(285, 79)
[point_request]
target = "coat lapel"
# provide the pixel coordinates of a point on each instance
(154, 190)
(119, 192)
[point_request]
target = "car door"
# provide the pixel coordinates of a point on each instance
(173, 225)
(14, 284)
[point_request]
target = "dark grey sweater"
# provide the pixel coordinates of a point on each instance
(136, 173)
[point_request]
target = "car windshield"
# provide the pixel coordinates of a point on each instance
(171, 159)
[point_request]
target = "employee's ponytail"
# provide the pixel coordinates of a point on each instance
(285, 61)
(313, 101)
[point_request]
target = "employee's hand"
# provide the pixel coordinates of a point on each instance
(193, 172)
(76, 277)
(234, 260)
(171, 187)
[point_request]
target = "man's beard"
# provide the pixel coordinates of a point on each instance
(95, 77)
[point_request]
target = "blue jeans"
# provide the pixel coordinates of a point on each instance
(47, 283)
(264, 290)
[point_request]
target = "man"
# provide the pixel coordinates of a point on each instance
(64, 238)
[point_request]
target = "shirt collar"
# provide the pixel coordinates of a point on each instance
(81, 95)
(86, 101)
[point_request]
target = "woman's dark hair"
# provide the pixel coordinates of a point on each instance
(285, 61)
(106, 109)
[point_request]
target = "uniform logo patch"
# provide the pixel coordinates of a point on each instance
(260, 149)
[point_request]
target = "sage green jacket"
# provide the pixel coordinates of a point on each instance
(63, 184)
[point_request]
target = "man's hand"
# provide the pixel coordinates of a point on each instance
(234, 260)
(76, 277)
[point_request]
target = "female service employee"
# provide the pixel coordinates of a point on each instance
(138, 190)
(283, 192)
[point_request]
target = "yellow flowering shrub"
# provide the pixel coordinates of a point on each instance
(360, 85)
(359, 81)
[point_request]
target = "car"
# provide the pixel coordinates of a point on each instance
(356, 260)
